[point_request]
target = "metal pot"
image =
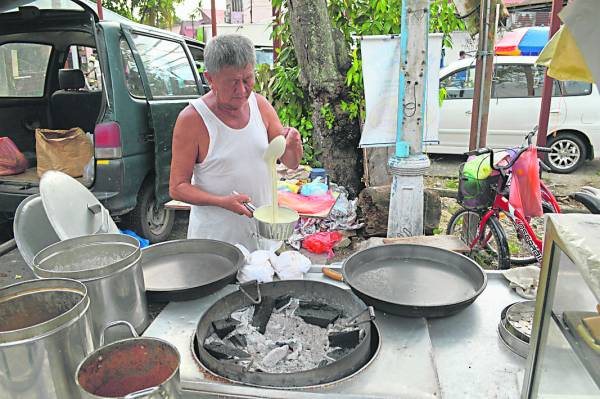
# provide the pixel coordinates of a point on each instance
(45, 331)
(130, 368)
(273, 231)
(109, 266)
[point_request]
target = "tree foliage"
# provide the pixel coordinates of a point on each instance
(159, 13)
(352, 18)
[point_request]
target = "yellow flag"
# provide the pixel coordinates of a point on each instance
(563, 58)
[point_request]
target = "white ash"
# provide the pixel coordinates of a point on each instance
(289, 344)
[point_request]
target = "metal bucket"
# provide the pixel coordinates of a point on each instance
(109, 266)
(130, 368)
(275, 231)
(45, 331)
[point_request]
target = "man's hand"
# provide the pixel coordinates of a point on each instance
(235, 204)
(293, 148)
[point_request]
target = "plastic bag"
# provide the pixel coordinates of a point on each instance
(291, 265)
(143, 242)
(12, 161)
(525, 194)
(257, 266)
(313, 205)
(314, 189)
(322, 242)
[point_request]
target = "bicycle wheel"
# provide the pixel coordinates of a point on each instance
(491, 249)
(520, 252)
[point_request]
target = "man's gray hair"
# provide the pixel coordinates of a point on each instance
(228, 50)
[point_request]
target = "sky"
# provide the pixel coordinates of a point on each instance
(184, 9)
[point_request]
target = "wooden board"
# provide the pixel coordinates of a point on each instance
(29, 176)
(183, 206)
(450, 243)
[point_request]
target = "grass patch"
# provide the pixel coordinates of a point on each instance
(437, 231)
(451, 184)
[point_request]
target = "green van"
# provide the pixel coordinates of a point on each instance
(121, 82)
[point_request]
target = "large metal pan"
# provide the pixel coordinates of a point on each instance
(182, 270)
(414, 280)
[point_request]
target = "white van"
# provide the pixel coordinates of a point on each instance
(574, 125)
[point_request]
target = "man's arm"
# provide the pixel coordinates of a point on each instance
(293, 148)
(190, 144)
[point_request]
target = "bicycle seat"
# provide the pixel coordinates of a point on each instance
(589, 199)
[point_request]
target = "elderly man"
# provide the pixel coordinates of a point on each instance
(218, 146)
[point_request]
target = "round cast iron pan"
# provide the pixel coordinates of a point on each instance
(188, 269)
(414, 280)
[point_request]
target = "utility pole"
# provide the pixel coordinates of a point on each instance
(213, 18)
(409, 164)
(484, 68)
(557, 6)
(99, 7)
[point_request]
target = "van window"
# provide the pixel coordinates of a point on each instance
(132, 75)
(85, 59)
(459, 84)
(23, 68)
(511, 80)
(167, 67)
(539, 73)
(573, 88)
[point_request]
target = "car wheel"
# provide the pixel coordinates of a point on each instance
(149, 220)
(568, 152)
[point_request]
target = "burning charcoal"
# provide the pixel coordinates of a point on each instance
(318, 314)
(238, 340)
(223, 351)
(224, 326)
(282, 301)
(344, 339)
(275, 356)
(262, 314)
(337, 354)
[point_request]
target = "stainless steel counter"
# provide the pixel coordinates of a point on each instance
(455, 357)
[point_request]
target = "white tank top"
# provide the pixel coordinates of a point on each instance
(234, 161)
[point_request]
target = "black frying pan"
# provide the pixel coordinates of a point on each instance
(413, 280)
(182, 270)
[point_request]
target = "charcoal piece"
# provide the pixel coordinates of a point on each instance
(281, 301)
(262, 313)
(224, 351)
(323, 363)
(318, 314)
(344, 339)
(339, 353)
(224, 326)
(275, 356)
(238, 340)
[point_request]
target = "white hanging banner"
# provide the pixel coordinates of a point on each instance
(381, 67)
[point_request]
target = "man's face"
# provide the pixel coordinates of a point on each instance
(232, 86)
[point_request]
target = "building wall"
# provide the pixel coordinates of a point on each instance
(253, 11)
(259, 33)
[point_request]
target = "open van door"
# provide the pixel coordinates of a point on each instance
(170, 82)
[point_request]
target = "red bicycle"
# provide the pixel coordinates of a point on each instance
(497, 234)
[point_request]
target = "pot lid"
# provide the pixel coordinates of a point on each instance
(73, 211)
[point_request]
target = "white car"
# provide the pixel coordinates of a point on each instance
(574, 125)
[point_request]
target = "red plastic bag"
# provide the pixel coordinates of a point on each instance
(312, 205)
(12, 161)
(322, 242)
(525, 194)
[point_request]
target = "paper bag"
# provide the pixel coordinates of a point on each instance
(67, 151)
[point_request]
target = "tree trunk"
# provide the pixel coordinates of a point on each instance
(323, 58)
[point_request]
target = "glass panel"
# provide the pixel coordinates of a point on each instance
(132, 75)
(167, 67)
(23, 69)
(460, 84)
(573, 88)
(512, 81)
(539, 72)
(86, 59)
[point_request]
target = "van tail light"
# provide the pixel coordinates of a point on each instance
(107, 141)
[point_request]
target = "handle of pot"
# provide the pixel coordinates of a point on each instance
(117, 323)
(332, 274)
(258, 294)
(143, 393)
(99, 209)
(248, 205)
